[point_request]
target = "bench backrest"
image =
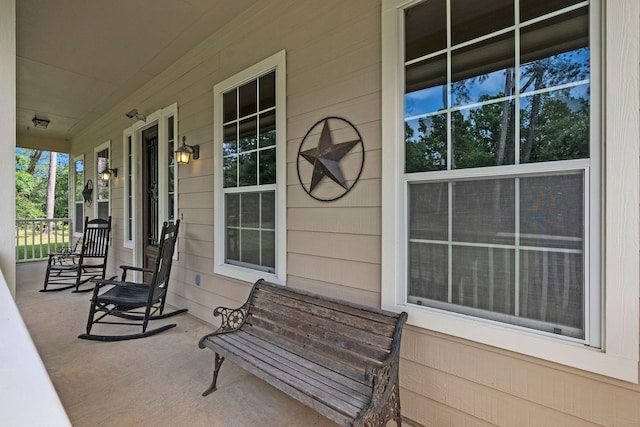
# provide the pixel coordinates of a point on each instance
(349, 335)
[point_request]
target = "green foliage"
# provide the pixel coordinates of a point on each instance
(31, 188)
(559, 131)
(61, 207)
(25, 208)
(553, 125)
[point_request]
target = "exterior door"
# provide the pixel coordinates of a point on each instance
(150, 196)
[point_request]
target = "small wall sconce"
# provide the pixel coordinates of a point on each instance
(105, 175)
(87, 193)
(134, 114)
(40, 123)
(185, 152)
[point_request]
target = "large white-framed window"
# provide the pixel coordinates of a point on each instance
(249, 172)
(494, 196)
(102, 202)
(78, 200)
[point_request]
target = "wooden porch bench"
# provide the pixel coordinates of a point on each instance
(340, 359)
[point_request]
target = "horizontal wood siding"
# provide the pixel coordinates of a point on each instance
(334, 69)
(497, 387)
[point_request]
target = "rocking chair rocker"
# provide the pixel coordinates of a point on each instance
(136, 303)
(70, 269)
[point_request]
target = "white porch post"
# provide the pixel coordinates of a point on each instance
(8, 140)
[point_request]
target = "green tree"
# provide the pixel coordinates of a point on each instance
(61, 208)
(32, 168)
(26, 184)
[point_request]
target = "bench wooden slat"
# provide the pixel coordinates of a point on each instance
(286, 382)
(314, 376)
(351, 326)
(377, 321)
(348, 371)
(327, 348)
(287, 322)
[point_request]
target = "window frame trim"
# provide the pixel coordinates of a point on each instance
(620, 213)
(73, 195)
(129, 152)
(104, 146)
(275, 62)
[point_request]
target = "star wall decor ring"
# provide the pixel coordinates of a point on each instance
(331, 149)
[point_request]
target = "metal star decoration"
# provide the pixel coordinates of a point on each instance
(326, 158)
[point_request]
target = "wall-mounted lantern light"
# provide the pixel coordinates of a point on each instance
(87, 193)
(105, 175)
(185, 152)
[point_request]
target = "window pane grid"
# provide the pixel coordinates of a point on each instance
(249, 168)
(247, 228)
(171, 170)
(507, 152)
(242, 157)
(550, 265)
(506, 30)
(78, 169)
(129, 189)
(102, 191)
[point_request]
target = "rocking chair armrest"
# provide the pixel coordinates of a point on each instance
(112, 282)
(60, 254)
(127, 268)
(99, 283)
(63, 255)
(130, 267)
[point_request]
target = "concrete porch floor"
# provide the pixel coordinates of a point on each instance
(155, 381)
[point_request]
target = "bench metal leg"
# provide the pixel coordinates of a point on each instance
(216, 369)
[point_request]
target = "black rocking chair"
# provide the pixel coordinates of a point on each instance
(136, 303)
(88, 261)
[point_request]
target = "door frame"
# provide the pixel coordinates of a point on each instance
(157, 118)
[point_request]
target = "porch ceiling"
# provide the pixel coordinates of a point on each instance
(76, 59)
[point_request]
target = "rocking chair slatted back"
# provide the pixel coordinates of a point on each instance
(72, 269)
(162, 270)
(96, 239)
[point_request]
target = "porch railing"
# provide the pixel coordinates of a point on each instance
(36, 238)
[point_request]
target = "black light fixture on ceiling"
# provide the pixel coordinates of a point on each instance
(185, 152)
(40, 123)
(105, 175)
(134, 114)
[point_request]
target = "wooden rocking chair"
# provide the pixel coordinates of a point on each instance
(136, 303)
(86, 262)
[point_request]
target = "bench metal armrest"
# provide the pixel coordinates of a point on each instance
(384, 379)
(232, 320)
